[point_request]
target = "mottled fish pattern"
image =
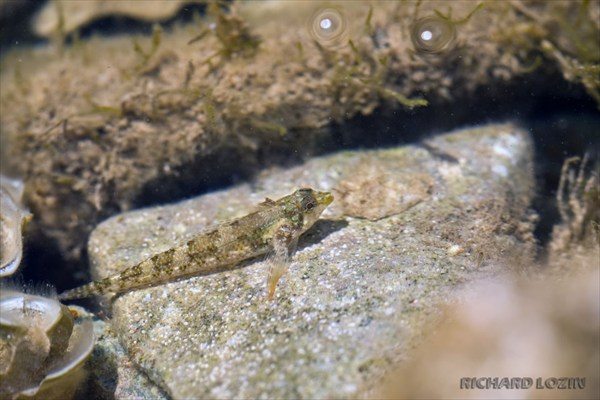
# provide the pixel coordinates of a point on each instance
(274, 228)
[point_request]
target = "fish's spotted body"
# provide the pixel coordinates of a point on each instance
(274, 228)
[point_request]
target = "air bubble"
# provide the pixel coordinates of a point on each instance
(325, 23)
(426, 35)
(432, 34)
(328, 27)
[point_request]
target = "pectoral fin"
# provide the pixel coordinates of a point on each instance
(284, 244)
(276, 270)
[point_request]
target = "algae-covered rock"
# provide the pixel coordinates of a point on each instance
(110, 123)
(361, 290)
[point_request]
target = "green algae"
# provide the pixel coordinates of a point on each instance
(146, 55)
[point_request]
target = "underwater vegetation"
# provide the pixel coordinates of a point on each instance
(109, 122)
(42, 347)
(13, 216)
(578, 199)
(232, 32)
(566, 34)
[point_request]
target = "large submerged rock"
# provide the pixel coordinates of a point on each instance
(409, 228)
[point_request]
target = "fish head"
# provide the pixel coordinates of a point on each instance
(311, 204)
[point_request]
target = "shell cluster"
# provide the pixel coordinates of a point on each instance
(328, 27)
(42, 348)
(432, 34)
(13, 216)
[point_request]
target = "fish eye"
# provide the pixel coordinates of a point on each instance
(308, 204)
(432, 34)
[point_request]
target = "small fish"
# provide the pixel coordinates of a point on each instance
(274, 228)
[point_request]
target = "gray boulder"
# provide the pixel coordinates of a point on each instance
(409, 228)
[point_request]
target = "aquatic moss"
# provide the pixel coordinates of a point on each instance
(146, 55)
(568, 34)
(233, 34)
(578, 200)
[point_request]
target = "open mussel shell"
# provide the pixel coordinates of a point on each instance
(42, 348)
(13, 216)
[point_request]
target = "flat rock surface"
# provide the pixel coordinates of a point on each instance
(409, 228)
(112, 374)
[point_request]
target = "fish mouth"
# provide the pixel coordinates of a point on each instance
(326, 198)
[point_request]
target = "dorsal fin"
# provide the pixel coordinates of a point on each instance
(267, 203)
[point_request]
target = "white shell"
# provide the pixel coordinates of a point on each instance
(12, 218)
(42, 349)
